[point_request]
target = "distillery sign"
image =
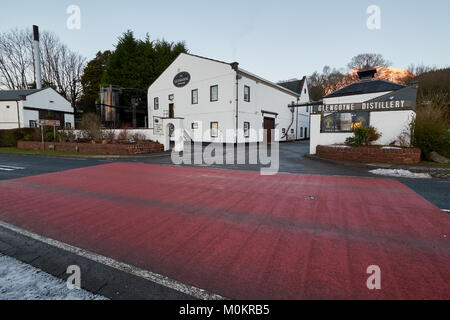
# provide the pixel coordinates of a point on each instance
(181, 79)
(391, 105)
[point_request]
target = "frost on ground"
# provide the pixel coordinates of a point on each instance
(19, 281)
(400, 173)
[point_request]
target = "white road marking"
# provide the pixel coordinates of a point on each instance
(10, 168)
(147, 275)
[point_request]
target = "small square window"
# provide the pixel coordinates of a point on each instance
(214, 129)
(214, 93)
(194, 98)
(247, 93)
(194, 126)
(156, 103)
(33, 124)
(68, 125)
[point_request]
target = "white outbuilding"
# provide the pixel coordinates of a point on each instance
(24, 108)
(214, 101)
(387, 106)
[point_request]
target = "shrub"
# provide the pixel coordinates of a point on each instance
(50, 137)
(364, 136)
(124, 136)
(139, 137)
(67, 136)
(430, 130)
(91, 127)
(109, 136)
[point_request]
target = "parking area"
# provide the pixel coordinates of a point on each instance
(241, 235)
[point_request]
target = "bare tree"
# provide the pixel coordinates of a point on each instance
(371, 59)
(61, 68)
(16, 63)
(420, 69)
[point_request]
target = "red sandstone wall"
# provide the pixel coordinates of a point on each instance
(88, 148)
(371, 154)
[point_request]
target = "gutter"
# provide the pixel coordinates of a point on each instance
(235, 67)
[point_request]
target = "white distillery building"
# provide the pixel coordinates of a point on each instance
(23, 108)
(206, 99)
(387, 106)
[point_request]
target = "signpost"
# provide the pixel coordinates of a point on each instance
(48, 123)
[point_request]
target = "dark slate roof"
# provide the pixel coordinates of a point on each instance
(364, 87)
(16, 95)
(295, 85)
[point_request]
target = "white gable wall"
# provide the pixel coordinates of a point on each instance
(204, 74)
(303, 114)
(47, 99)
(10, 113)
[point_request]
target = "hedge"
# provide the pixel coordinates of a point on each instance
(9, 138)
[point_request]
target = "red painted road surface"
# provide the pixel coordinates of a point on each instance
(242, 235)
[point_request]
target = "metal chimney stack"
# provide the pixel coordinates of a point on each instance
(37, 58)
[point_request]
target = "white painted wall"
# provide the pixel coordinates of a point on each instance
(304, 114)
(264, 98)
(8, 115)
(392, 124)
(29, 115)
(204, 74)
(47, 99)
(324, 139)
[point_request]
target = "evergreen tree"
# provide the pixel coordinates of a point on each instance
(91, 80)
(136, 64)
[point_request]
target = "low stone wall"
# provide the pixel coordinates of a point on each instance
(98, 149)
(371, 154)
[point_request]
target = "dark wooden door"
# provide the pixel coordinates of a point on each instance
(269, 126)
(171, 111)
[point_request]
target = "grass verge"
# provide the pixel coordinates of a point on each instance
(45, 153)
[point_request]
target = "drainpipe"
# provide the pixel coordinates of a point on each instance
(18, 114)
(235, 67)
(296, 125)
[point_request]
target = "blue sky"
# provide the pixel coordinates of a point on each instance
(276, 39)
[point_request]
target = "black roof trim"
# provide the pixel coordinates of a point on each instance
(17, 95)
(294, 85)
(364, 87)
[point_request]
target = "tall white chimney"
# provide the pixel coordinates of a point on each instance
(37, 58)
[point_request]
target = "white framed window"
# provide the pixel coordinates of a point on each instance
(214, 129)
(194, 96)
(156, 103)
(247, 129)
(246, 93)
(214, 93)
